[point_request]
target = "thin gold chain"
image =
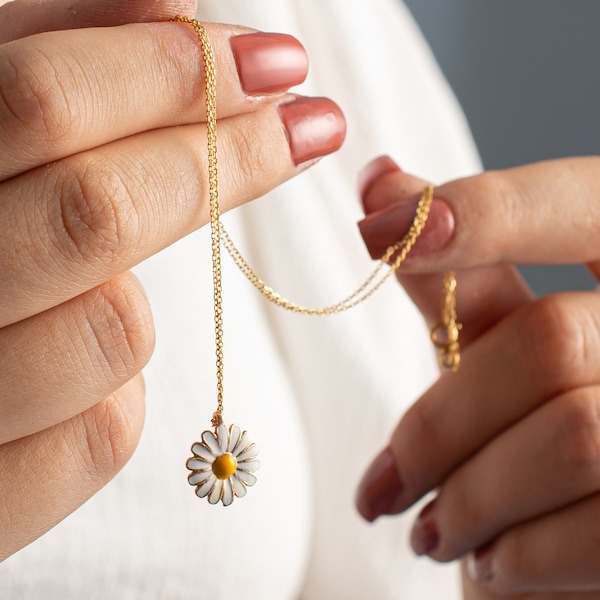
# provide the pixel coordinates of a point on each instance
(393, 257)
(364, 291)
(213, 189)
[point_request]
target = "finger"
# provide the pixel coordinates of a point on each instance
(67, 228)
(513, 479)
(22, 18)
(484, 296)
(555, 553)
(60, 363)
(64, 92)
(542, 213)
(46, 476)
(542, 350)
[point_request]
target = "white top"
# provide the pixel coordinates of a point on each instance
(319, 395)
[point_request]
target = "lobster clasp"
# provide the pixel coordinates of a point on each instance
(445, 333)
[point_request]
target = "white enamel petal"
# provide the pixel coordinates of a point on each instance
(211, 441)
(202, 452)
(250, 465)
(242, 444)
(203, 490)
(195, 464)
(246, 478)
(238, 487)
(198, 478)
(215, 494)
(223, 437)
(248, 453)
(227, 493)
(234, 436)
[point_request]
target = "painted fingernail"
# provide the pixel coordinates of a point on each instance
(269, 62)
(479, 565)
(373, 171)
(381, 488)
(424, 537)
(314, 127)
(382, 229)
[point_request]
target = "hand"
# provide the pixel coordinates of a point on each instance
(102, 164)
(510, 443)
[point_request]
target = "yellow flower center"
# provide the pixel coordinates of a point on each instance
(224, 467)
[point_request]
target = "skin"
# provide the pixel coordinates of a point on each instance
(89, 187)
(75, 326)
(510, 443)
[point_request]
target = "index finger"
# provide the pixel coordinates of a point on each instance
(65, 92)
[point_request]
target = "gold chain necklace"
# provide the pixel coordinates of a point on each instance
(225, 460)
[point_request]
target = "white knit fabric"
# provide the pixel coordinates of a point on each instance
(319, 396)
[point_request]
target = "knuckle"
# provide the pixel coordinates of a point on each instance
(506, 205)
(578, 433)
(36, 94)
(492, 184)
(421, 422)
(248, 167)
(110, 434)
(96, 218)
(119, 328)
(557, 341)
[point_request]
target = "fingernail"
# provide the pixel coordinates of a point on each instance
(373, 171)
(269, 62)
(314, 126)
(382, 229)
(424, 537)
(479, 565)
(380, 490)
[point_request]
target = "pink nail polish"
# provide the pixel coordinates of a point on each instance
(373, 171)
(314, 127)
(269, 62)
(424, 537)
(382, 229)
(480, 566)
(380, 490)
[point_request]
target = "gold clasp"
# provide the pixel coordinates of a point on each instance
(445, 333)
(217, 419)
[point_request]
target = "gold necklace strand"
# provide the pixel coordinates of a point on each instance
(368, 287)
(213, 190)
(444, 334)
(223, 463)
